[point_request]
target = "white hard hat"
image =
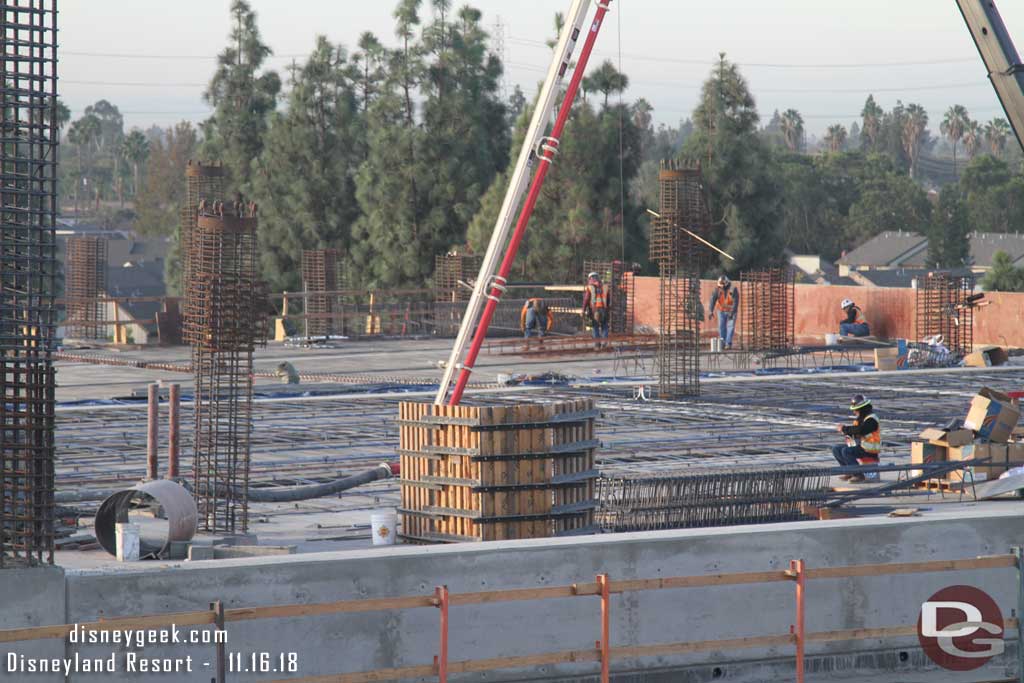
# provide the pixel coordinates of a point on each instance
(846, 304)
(723, 280)
(592, 276)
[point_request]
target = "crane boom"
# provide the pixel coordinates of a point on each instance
(1000, 57)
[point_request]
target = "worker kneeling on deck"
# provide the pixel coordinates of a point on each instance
(863, 440)
(536, 318)
(854, 324)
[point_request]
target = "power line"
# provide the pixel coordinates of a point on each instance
(141, 55)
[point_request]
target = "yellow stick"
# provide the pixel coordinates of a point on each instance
(694, 235)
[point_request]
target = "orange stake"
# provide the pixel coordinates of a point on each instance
(796, 572)
(605, 643)
(441, 602)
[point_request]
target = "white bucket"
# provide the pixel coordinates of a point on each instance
(831, 339)
(384, 526)
(127, 538)
(716, 345)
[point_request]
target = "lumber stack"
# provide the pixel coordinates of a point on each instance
(508, 471)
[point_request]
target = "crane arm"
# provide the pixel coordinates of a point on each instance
(1000, 57)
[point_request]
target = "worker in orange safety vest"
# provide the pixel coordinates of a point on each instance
(863, 440)
(595, 307)
(536, 318)
(725, 303)
(854, 324)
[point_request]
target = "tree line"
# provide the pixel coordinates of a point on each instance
(396, 151)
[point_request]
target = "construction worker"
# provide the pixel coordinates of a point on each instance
(536, 318)
(853, 325)
(863, 440)
(725, 302)
(595, 307)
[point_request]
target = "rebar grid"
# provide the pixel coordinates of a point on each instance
(28, 176)
(452, 268)
(203, 183)
(321, 272)
(85, 282)
(681, 205)
(223, 326)
(620, 285)
(702, 497)
(768, 309)
(942, 308)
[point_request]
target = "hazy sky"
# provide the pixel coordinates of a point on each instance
(822, 57)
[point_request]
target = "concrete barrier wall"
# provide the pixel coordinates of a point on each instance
(356, 642)
(889, 310)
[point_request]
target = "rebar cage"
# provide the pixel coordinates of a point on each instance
(452, 268)
(85, 282)
(223, 326)
(942, 307)
(203, 183)
(768, 309)
(677, 254)
(618, 280)
(28, 265)
(321, 272)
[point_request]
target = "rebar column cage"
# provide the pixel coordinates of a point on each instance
(677, 255)
(452, 268)
(28, 266)
(768, 309)
(85, 283)
(203, 183)
(223, 327)
(321, 272)
(621, 291)
(942, 307)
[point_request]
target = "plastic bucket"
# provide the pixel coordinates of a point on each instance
(383, 526)
(831, 339)
(127, 536)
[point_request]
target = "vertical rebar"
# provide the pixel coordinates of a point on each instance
(85, 282)
(767, 309)
(942, 309)
(28, 208)
(321, 272)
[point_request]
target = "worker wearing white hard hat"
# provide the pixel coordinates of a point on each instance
(853, 324)
(725, 303)
(596, 308)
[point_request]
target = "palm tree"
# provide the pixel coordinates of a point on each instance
(914, 127)
(997, 132)
(835, 137)
(82, 134)
(793, 129)
(135, 150)
(972, 138)
(953, 126)
(871, 121)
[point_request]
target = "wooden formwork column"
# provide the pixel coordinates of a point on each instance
(508, 471)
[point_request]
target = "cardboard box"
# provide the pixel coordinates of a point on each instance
(924, 452)
(987, 357)
(993, 415)
(1001, 457)
(940, 437)
(891, 359)
(972, 472)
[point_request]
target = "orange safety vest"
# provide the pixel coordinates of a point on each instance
(548, 317)
(872, 443)
(726, 301)
(597, 297)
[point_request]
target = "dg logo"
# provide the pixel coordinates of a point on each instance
(961, 628)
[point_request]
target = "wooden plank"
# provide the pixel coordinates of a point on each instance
(422, 671)
(633, 651)
(339, 607)
(498, 532)
(988, 562)
(116, 624)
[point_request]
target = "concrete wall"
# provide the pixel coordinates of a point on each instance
(355, 642)
(889, 310)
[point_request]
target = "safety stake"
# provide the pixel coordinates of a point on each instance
(796, 572)
(441, 660)
(604, 645)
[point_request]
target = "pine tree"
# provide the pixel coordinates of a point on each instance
(304, 181)
(739, 170)
(948, 245)
(243, 99)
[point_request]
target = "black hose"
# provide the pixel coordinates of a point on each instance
(296, 493)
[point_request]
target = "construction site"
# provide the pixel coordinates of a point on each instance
(347, 485)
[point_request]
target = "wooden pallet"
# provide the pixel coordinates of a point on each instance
(481, 473)
(942, 485)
